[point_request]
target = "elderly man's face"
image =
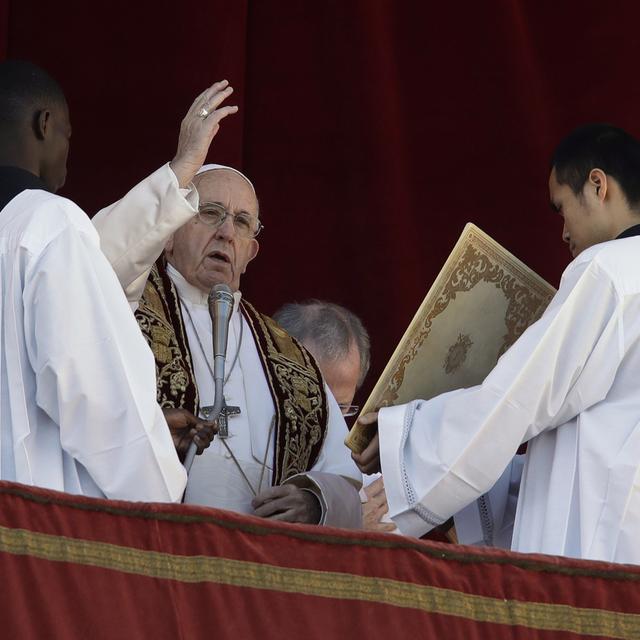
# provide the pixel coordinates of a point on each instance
(206, 256)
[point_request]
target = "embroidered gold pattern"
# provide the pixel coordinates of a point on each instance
(160, 320)
(296, 382)
(476, 261)
(525, 302)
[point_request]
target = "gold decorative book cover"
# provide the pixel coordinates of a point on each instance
(481, 302)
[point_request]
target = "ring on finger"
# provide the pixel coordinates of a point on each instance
(203, 113)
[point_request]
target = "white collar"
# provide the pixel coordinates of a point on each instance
(186, 291)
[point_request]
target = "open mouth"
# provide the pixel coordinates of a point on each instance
(218, 255)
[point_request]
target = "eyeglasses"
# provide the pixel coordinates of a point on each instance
(349, 410)
(246, 225)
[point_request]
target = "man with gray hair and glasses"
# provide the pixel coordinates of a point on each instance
(339, 342)
(337, 339)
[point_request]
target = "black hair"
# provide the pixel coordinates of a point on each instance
(25, 89)
(599, 146)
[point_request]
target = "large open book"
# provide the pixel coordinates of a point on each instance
(480, 303)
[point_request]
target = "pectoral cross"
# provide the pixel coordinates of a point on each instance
(228, 411)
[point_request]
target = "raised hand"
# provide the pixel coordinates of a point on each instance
(198, 129)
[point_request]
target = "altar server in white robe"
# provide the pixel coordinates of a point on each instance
(568, 387)
(78, 387)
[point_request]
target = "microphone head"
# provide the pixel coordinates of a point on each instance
(220, 310)
(221, 293)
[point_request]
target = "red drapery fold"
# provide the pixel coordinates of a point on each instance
(372, 130)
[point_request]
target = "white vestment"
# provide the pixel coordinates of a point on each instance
(569, 387)
(215, 478)
(134, 230)
(489, 520)
(133, 234)
(78, 408)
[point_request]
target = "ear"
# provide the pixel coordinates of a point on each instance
(42, 123)
(597, 182)
(253, 252)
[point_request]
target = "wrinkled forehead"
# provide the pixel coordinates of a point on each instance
(227, 187)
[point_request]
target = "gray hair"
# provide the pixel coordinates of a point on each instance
(332, 328)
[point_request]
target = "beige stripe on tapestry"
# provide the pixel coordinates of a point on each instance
(326, 584)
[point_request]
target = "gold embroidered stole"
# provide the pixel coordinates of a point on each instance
(160, 319)
(297, 389)
(293, 377)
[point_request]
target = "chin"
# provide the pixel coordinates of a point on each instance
(209, 283)
(211, 277)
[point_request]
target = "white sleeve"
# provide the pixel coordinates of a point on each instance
(440, 455)
(489, 520)
(95, 375)
(134, 230)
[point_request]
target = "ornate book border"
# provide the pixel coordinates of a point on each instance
(475, 258)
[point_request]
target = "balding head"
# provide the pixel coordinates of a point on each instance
(336, 338)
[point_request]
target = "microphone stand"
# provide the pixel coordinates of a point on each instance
(220, 308)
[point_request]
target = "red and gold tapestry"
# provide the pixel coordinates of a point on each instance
(75, 567)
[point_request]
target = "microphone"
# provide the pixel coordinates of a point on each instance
(220, 309)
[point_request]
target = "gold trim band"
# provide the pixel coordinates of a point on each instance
(326, 584)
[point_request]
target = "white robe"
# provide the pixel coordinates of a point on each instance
(569, 386)
(134, 230)
(489, 520)
(78, 409)
(215, 479)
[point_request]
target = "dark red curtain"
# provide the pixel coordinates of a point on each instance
(373, 130)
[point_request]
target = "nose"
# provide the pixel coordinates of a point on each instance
(227, 230)
(565, 234)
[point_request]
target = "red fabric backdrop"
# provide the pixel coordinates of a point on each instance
(373, 130)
